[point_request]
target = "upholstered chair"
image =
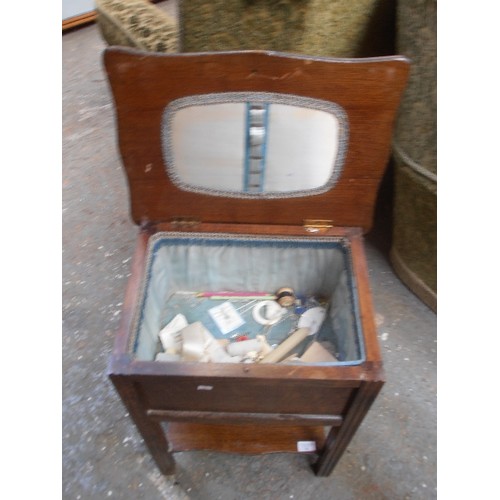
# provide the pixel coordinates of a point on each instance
(344, 28)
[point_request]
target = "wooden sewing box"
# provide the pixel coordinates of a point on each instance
(265, 232)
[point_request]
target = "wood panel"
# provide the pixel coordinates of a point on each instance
(247, 439)
(143, 84)
(243, 395)
(234, 418)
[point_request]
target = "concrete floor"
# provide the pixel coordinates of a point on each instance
(393, 455)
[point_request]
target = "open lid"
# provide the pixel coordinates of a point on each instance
(253, 136)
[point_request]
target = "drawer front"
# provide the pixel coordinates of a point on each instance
(243, 395)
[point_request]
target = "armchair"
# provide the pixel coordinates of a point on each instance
(344, 28)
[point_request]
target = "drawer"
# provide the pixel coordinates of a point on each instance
(244, 395)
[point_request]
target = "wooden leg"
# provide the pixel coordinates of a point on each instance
(338, 439)
(151, 431)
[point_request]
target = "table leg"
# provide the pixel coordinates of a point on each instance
(151, 431)
(338, 439)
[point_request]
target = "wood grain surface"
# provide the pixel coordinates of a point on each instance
(248, 438)
(143, 84)
(250, 408)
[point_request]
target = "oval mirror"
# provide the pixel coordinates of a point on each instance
(254, 144)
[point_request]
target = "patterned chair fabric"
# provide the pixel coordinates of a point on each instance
(335, 28)
(313, 27)
(137, 23)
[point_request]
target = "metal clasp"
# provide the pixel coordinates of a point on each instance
(184, 222)
(317, 225)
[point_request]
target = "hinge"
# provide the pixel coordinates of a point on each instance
(317, 225)
(185, 222)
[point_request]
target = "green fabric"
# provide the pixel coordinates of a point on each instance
(416, 129)
(415, 226)
(341, 28)
(415, 205)
(137, 23)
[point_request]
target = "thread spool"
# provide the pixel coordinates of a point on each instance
(285, 296)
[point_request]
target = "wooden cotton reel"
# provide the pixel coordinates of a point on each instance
(285, 297)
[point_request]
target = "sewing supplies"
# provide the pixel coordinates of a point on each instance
(246, 307)
(226, 317)
(300, 305)
(267, 312)
(198, 344)
(166, 356)
(258, 345)
(285, 297)
(283, 349)
(227, 295)
(313, 319)
(316, 353)
(309, 324)
(241, 313)
(169, 339)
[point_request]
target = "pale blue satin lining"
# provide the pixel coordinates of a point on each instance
(319, 144)
(181, 263)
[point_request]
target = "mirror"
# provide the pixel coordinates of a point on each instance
(254, 144)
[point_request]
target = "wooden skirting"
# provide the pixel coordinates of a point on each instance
(78, 21)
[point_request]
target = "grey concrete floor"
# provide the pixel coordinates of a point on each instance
(392, 456)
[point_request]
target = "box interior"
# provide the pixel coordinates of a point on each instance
(179, 266)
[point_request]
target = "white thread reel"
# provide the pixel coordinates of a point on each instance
(268, 312)
(313, 319)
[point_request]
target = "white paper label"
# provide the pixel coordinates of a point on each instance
(226, 317)
(306, 446)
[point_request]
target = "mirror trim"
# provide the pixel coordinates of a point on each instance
(249, 97)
